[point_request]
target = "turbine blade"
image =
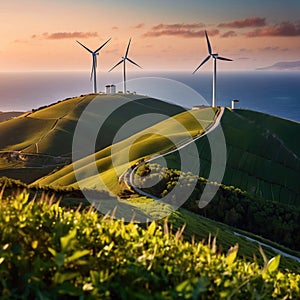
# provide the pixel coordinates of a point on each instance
(102, 46)
(85, 47)
(127, 48)
(203, 62)
(224, 58)
(208, 43)
(116, 65)
(133, 62)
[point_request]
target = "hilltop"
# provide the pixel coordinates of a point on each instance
(42, 139)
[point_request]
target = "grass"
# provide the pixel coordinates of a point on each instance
(50, 130)
(263, 155)
(114, 160)
(201, 228)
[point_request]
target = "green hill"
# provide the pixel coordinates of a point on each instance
(49, 131)
(263, 155)
(125, 153)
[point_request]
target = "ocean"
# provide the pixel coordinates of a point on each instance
(275, 93)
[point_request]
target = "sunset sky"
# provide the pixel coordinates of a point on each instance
(166, 34)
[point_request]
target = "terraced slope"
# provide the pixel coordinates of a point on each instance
(49, 131)
(263, 155)
(113, 161)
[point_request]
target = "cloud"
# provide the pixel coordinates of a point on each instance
(282, 29)
(230, 33)
(247, 22)
(177, 26)
(182, 30)
(268, 49)
(139, 26)
(20, 41)
(65, 35)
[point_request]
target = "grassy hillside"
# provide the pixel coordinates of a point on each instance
(49, 130)
(113, 161)
(263, 155)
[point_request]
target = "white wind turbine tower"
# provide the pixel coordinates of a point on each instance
(123, 60)
(94, 65)
(215, 56)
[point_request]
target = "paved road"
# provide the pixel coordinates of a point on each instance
(268, 246)
(128, 176)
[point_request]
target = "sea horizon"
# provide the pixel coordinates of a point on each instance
(274, 93)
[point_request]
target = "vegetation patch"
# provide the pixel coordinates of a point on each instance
(276, 221)
(48, 252)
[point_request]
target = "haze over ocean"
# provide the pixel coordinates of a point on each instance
(275, 93)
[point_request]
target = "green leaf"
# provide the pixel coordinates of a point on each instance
(62, 277)
(2, 260)
(231, 255)
(151, 228)
(273, 264)
(52, 251)
(66, 241)
(77, 255)
(59, 259)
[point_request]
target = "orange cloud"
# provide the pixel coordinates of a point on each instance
(177, 26)
(182, 30)
(139, 26)
(282, 29)
(230, 33)
(65, 35)
(247, 22)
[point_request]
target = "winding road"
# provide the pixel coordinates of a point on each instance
(128, 175)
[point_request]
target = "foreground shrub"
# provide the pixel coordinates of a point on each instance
(47, 252)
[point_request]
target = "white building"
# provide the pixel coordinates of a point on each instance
(233, 102)
(107, 89)
(112, 89)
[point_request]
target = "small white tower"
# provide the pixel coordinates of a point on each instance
(107, 89)
(112, 89)
(233, 103)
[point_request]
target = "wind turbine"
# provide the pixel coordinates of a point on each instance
(94, 65)
(123, 60)
(215, 56)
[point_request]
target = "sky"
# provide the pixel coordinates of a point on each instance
(40, 35)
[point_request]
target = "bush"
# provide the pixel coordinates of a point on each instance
(48, 252)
